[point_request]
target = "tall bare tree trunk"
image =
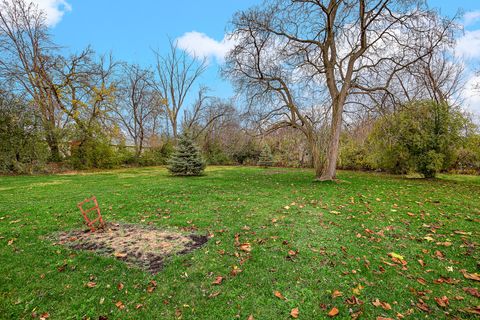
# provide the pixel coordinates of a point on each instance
(330, 169)
(52, 142)
(317, 155)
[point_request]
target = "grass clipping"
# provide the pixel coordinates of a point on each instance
(143, 246)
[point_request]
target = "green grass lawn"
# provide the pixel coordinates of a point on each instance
(307, 241)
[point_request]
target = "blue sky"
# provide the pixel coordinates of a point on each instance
(130, 29)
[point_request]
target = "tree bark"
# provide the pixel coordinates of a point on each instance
(330, 169)
(317, 156)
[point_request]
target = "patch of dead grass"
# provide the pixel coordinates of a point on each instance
(143, 246)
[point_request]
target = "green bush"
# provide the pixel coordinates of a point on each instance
(421, 138)
(93, 152)
(214, 154)
(354, 155)
(156, 156)
(22, 149)
(265, 159)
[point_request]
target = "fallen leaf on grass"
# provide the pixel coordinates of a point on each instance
(474, 310)
(120, 305)
(218, 280)
(214, 294)
(235, 271)
(384, 305)
(246, 247)
(383, 318)
(442, 302)
(446, 280)
(91, 284)
(336, 294)
(44, 316)
(294, 313)
(138, 306)
(439, 255)
(356, 291)
(422, 306)
(279, 295)
(396, 256)
(471, 276)
(353, 301)
(473, 291)
(120, 286)
(422, 281)
(250, 317)
(333, 312)
(151, 286)
(292, 253)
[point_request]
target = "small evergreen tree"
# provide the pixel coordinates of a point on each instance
(186, 160)
(266, 158)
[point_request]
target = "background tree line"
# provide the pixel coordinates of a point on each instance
(371, 85)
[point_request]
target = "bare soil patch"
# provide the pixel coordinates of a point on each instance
(144, 246)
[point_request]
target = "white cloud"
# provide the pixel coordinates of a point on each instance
(200, 45)
(471, 17)
(54, 10)
(468, 46)
(471, 94)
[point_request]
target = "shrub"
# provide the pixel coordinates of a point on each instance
(186, 160)
(422, 138)
(22, 149)
(93, 152)
(265, 159)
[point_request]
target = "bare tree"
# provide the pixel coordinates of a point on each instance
(84, 90)
(204, 113)
(177, 73)
(26, 60)
(138, 104)
(334, 44)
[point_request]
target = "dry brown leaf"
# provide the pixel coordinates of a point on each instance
(336, 294)
(250, 317)
(292, 253)
(473, 291)
(333, 312)
(446, 280)
(235, 271)
(151, 286)
(422, 281)
(214, 294)
(384, 305)
(279, 295)
(439, 254)
(294, 313)
(44, 316)
(120, 305)
(138, 306)
(218, 280)
(120, 286)
(472, 276)
(442, 302)
(474, 310)
(422, 306)
(247, 247)
(119, 254)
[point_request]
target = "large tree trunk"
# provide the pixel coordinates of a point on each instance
(52, 142)
(317, 156)
(174, 129)
(330, 168)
